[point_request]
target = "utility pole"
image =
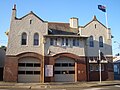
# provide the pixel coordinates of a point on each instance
(100, 65)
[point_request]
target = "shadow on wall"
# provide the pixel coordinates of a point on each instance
(2, 60)
(92, 53)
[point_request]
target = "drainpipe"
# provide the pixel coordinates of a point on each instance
(43, 79)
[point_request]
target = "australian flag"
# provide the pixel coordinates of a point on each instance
(102, 8)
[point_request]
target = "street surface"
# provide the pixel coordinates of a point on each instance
(115, 87)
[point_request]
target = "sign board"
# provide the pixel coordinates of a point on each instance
(49, 70)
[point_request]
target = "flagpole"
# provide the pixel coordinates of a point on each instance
(100, 65)
(106, 17)
(106, 20)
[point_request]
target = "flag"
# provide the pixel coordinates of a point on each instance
(102, 8)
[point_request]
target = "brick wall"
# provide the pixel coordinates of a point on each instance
(11, 69)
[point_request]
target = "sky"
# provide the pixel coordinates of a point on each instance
(62, 11)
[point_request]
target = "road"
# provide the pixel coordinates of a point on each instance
(115, 87)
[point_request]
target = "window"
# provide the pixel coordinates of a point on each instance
(57, 64)
(100, 41)
(57, 72)
(97, 67)
(71, 64)
(115, 68)
(30, 21)
(36, 64)
(36, 72)
(36, 39)
(51, 41)
(21, 72)
(91, 67)
(91, 42)
(66, 41)
(74, 41)
(29, 64)
(24, 39)
(71, 72)
(64, 64)
(95, 25)
(65, 72)
(102, 67)
(29, 72)
(21, 64)
(77, 43)
(55, 41)
(63, 41)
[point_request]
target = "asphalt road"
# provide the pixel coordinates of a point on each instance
(115, 87)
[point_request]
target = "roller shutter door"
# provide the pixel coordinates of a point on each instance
(64, 70)
(29, 70)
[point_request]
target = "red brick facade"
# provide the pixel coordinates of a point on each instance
(11, 69)
(11, 66)
(107, 74)
(80, 62)
(82, 72)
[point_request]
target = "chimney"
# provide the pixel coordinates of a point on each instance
(14, 7)
(74, 22)
(14, 12)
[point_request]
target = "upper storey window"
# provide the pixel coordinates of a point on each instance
(36, 39)
(65, 41)
(91, 41)
(24, 39)
(30, 21)
(100, 41)
(75, 42)
(51, 41)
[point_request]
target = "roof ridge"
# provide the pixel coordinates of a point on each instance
(94, 19)
(31, 12)
(59, 22)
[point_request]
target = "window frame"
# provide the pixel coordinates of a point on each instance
(74, 42)
(91, 41)
(36, 39)
(100, 41)
(77, 42)
(63, 42)
(67, 42)
(24, 38)
(51, 41)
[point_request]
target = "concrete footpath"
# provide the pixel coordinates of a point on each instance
(57, 84)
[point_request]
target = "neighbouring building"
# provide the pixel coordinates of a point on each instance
(42, 51)
(116, 62)
(2, 61)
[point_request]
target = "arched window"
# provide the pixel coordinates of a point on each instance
(91, 41)
(36, 39)
(24, 39)
(100, 41)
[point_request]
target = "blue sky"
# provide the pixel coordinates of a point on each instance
(61, 11)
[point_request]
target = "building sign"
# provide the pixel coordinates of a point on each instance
(49, 70)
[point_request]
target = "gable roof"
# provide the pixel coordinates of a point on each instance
(31, 12)
(94, 19)
(61, 28)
